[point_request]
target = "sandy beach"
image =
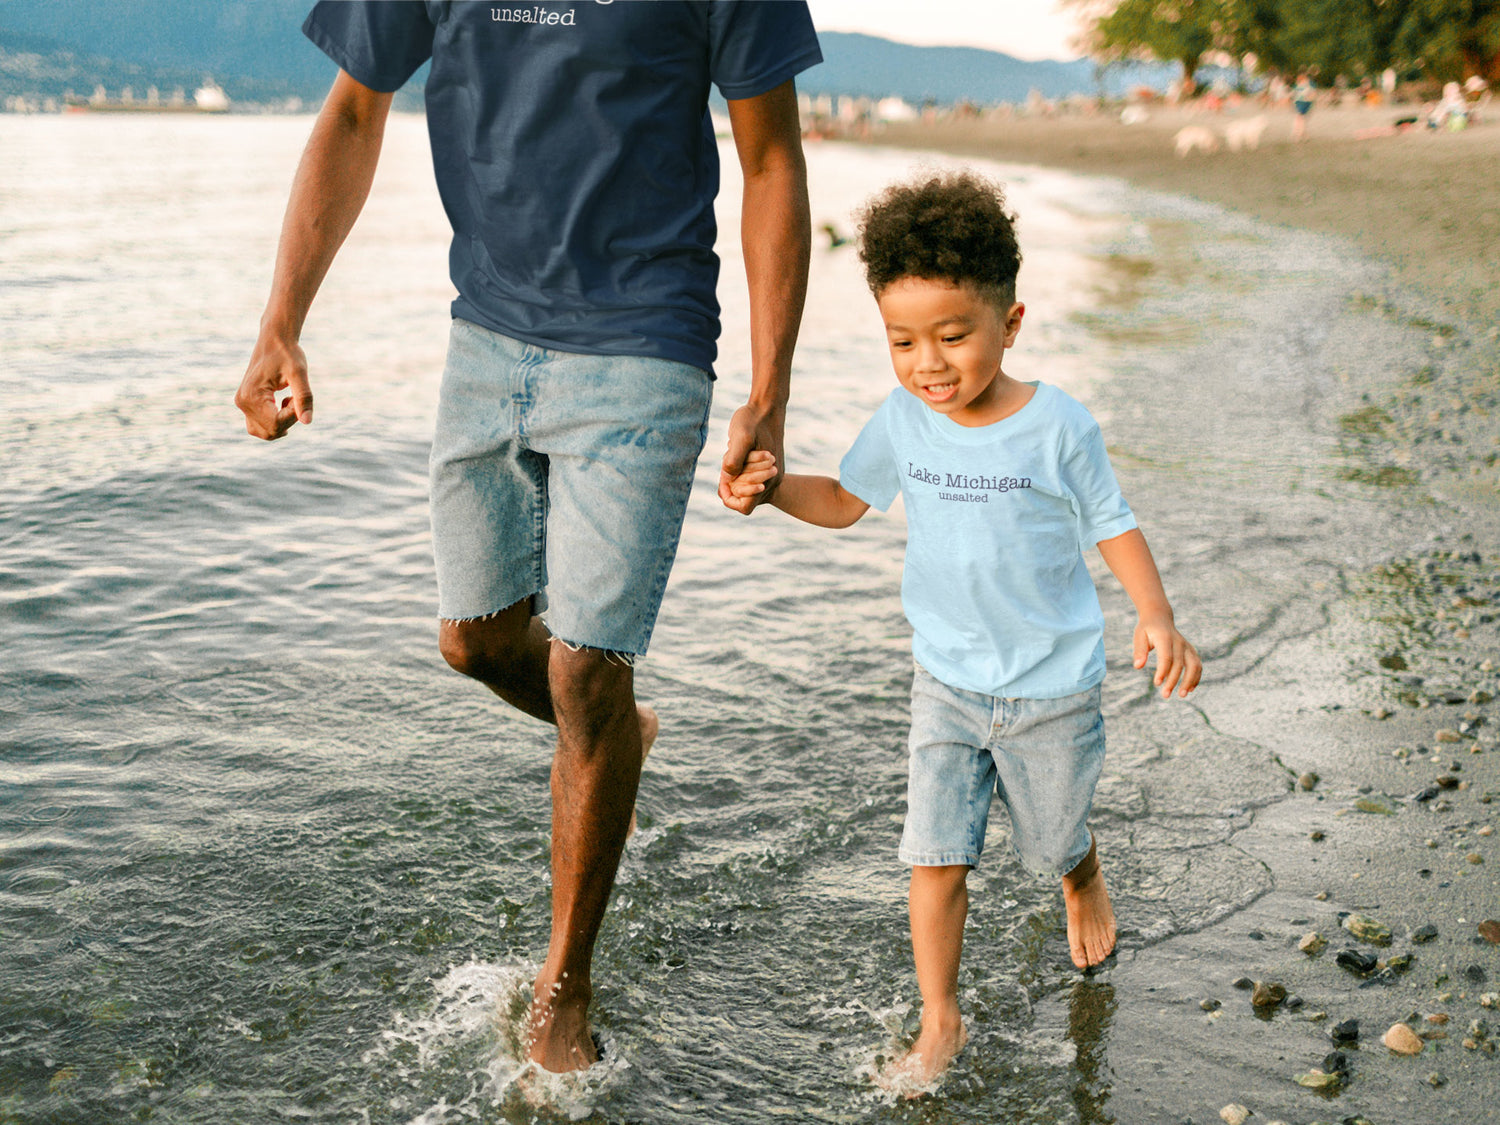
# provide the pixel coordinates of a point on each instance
(1426, 202)
(1376, 846)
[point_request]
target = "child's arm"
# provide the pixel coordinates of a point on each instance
(811, 499)
(1130, 559)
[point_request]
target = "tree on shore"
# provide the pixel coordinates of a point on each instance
(1438, 39)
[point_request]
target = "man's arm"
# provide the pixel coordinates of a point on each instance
(776, 231)
(1130, 559)
(332, 183)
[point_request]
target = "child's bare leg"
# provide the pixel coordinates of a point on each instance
(1091, 918)
(650, 724)
(939, 906)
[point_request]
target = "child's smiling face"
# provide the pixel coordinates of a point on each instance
(946, 344)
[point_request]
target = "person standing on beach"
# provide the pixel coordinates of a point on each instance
(1302, 103)
(577, 163)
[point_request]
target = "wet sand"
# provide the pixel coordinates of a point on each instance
(1367, 679)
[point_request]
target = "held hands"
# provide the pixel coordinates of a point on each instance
(753, 433)
(275, 365)
(741, 492)
(1177, 661)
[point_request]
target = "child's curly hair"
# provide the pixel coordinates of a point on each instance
(949, 226)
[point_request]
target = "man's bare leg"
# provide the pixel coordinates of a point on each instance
(939, 906)
(595, 772)
(1091, 918)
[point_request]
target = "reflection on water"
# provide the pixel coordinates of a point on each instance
(263, 857)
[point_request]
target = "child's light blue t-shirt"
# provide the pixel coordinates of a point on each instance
(998, 517)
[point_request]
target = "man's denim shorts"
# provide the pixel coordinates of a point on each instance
(562, 478)
(1041, 756)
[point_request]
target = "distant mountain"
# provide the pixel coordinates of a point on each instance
(255, 50)
(865, 65)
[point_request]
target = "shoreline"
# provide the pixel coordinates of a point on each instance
(1375, 708)
(1422, 202)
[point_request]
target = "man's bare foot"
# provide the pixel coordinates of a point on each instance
(558, 1035)
(650, 725)
(1091, 918)
(936, 1047)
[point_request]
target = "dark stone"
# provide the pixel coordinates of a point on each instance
(1427, 794)
(1424, 934)
(1345, 1032)
(1293, 1003)
(1243, 983)
(1336, 1062)
(1476, 974)
(1446, 781)
(1357, 961)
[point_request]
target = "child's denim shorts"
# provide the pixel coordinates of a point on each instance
(563, 478)
(1041, 756)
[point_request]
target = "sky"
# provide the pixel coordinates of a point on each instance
(1028, 29)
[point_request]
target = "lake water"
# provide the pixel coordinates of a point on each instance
(264, 858)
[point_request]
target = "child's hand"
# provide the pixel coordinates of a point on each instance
(739, 491)
(1176, 659)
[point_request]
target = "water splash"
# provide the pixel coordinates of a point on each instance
(474, 1034)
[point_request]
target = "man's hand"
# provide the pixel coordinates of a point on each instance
(275, 365)
(751, 429)
(1176, 659)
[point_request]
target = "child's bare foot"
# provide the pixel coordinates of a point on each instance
(936, 1047)
(650, 725)
(1091, 918)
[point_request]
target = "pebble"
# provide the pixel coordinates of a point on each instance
(1308, 781)
(1267, 995)
(1345, 1032)
(1318, 1080)
(1321, 896)
(1446, 781)
(1243, 983)
(1400, 963)
(1475, 974)
(1445, 734)
(1367, 929)
(1357, 961)
(1210, 1005)
(1312, 944)
(1402, 1040)
(1489, 929)
(1475, 858)
(1438, 1018)
(1336, 1062)
(1234, 1114)
(1436, 1079)
(1315, 835)
(1487, 830)
(1490, 1000)
(1479, 1029)
(1425, 933)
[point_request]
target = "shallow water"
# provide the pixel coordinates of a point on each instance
(262, 857)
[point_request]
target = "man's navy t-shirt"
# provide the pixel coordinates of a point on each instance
(574, 152)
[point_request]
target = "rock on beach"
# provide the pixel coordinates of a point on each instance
(1403, 1040)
